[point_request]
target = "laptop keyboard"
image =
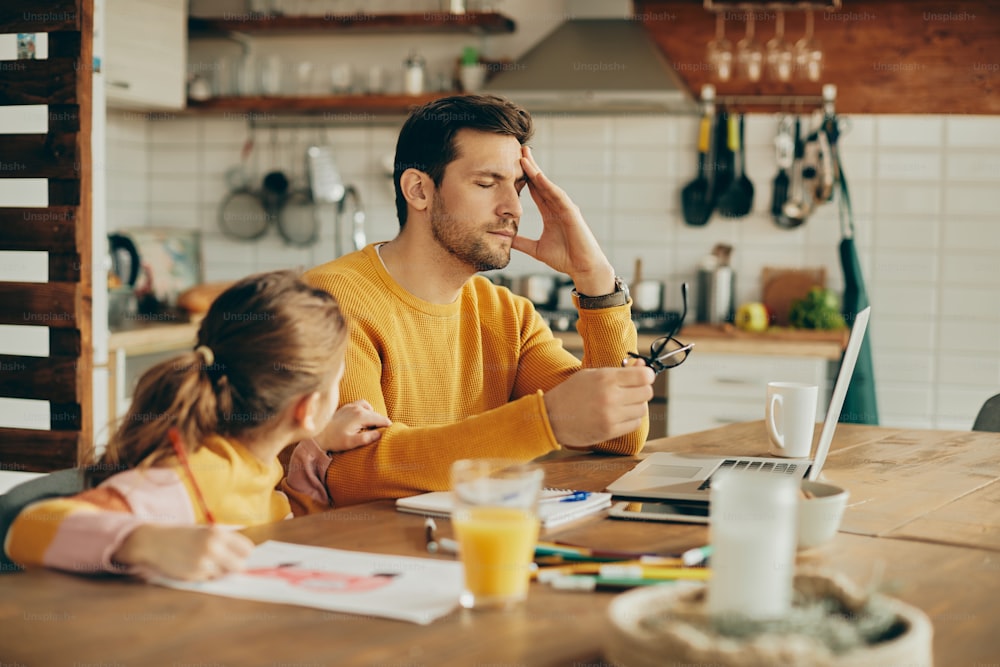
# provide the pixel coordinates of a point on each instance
(773, 467)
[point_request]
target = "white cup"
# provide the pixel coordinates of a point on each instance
(790, 418)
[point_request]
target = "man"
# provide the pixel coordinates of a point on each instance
(452, 365)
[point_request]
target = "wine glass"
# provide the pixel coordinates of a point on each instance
(720, 51)
(749, 53)
(780, 57)
(808, 55)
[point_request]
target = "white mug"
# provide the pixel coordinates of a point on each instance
(790, 418)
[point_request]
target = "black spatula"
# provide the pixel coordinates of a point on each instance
(696, 196)
(736, 200)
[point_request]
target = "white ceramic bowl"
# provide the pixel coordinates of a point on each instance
(820, 516)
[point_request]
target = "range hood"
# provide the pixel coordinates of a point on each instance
(595, 65)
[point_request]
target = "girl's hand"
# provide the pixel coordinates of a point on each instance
(191, 553)
(352, 425)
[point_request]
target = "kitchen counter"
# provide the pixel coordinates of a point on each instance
(726, 339)
(141, 338)
(151, 337)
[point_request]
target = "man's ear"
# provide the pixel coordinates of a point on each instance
(305, 411)
(416, 187)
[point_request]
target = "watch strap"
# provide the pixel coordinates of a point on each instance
(617, 298)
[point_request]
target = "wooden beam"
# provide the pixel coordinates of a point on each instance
(41, 304)
(84, 236)
(39, 156)
(51, 81)
(41, 378)
(52, 228)
(64, 342)
(66, 417)
(28, 450)
(38, 16)
(64, 267)
(64, 118)
(67, 192)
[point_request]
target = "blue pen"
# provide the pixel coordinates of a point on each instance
(568, 498)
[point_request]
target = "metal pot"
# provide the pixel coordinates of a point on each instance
(647, 296)
(716, 295)
(540, 289)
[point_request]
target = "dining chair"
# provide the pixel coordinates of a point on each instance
(988, 418)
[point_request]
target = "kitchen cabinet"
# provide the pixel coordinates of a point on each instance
(477, 23)
(711, 390)
(145, 54)
(134, 350)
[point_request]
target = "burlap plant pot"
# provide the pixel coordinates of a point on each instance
(663, 625)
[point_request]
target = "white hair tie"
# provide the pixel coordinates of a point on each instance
(206, 354)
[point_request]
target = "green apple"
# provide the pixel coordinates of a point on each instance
(752, 317)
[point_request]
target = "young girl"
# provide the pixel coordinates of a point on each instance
(200, 443)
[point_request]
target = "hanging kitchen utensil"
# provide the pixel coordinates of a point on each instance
(825, 177)
(737, 200)
(275, 185)
(696, 196)
(722, 157)
(324, 178)
(241, 214)
(784, 155)
(298, 222)
(357, 217)
(793, 211)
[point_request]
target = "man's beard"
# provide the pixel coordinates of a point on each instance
(467, 244)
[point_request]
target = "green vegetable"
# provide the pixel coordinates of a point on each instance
(820, 309)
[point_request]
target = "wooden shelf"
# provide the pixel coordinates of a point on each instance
(332, 105)
(429, 22)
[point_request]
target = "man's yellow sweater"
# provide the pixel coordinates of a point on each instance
(460, 380)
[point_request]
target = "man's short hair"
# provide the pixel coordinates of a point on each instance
(427, 138)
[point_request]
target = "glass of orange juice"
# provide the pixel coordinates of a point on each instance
(496, 523)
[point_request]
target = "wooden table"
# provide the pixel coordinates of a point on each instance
(910, 512)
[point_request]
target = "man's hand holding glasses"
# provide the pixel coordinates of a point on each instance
(666, 351)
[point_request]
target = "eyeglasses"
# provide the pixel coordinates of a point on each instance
(666, 351)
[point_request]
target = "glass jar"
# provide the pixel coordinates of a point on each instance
(414, 74)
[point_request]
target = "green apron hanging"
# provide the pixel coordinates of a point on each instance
(860, 405)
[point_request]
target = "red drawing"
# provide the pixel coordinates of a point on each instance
(321, 580)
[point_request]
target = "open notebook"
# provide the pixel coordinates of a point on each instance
(555, 506)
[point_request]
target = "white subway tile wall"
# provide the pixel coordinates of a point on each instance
(925, 192)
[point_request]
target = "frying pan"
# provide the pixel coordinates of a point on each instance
(242, 214)
(298, 220)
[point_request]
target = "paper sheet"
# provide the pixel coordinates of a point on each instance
(418, 590)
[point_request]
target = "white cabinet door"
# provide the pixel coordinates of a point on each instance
(145, 53)
(711, 390)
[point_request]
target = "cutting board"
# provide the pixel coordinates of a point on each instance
(782, 287)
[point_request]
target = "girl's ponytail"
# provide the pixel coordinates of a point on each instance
(177, 393)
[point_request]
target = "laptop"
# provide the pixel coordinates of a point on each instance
(687, 478)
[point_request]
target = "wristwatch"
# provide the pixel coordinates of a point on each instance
(617, 298)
